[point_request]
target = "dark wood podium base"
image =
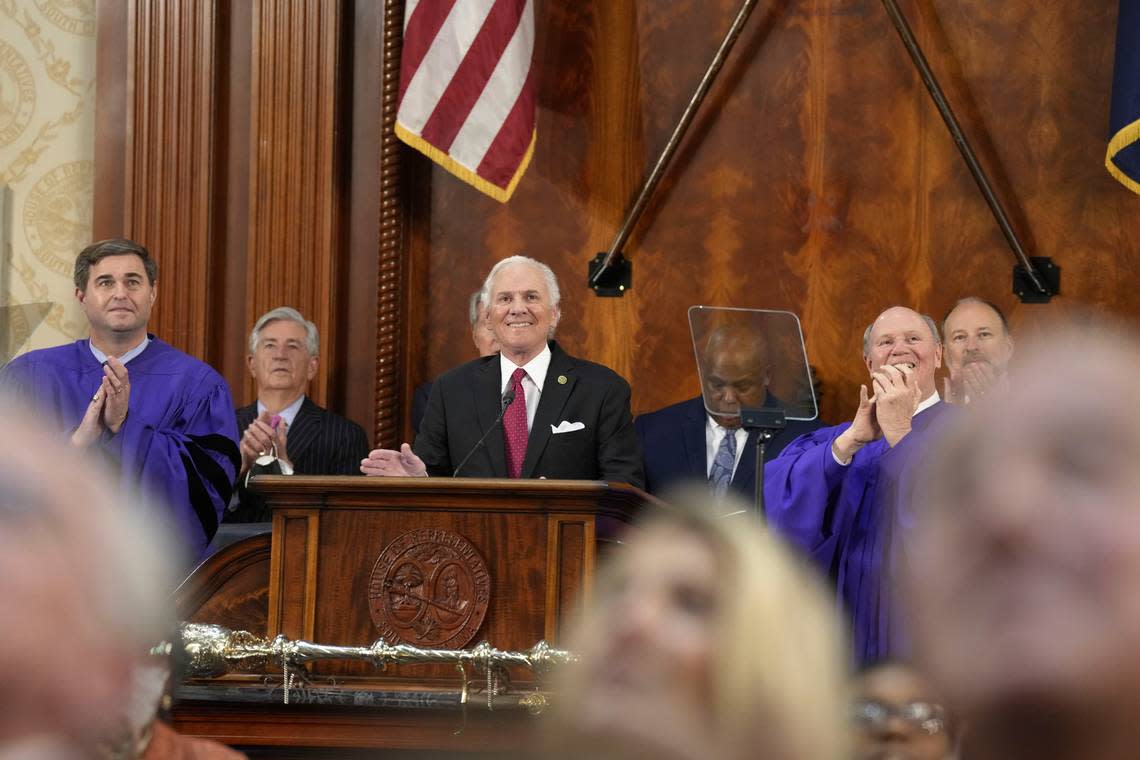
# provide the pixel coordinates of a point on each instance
(328, 719)
(341, 568)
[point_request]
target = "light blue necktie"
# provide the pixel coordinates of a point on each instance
(720, 475)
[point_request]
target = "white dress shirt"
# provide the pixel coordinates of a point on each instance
(714, 434)
(102, 357)
(532, 384)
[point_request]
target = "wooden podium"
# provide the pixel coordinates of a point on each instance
(433, 562)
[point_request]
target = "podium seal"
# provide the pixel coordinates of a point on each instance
(429, 588)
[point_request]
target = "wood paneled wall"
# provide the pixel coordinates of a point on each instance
(170, 175)
(295, 174)
(817, 178)
(229, 127)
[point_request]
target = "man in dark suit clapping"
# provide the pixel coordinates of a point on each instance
(530, 411)
(306, 439)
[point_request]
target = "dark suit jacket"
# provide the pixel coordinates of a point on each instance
(319, 443)
(465, 403)
(673, 443)
(420, 398)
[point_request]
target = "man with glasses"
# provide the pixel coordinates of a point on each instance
(896, 715)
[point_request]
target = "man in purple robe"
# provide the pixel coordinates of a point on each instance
(842, 493)
(165, 419)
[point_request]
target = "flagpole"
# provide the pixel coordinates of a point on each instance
(670, 148)
(963, 142)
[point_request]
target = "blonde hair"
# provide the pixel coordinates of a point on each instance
(780, 668)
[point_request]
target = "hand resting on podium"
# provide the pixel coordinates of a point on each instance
(394, 464)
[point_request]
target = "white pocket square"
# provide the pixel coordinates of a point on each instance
(567, 427)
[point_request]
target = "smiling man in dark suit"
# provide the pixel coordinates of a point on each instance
(308, 440)
(684, 442)
(530, 411)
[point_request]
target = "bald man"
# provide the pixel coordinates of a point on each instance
(682, 442)
(843, 493)
(978, 350)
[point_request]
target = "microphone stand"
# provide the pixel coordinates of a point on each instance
(765, 422)
(508, 397)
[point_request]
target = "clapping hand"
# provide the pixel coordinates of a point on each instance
(864, 429)
(896, 398)
(116, 389)
(91, 427)
(971, 381)
(266, 434)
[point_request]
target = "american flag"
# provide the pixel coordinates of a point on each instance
(466, 88)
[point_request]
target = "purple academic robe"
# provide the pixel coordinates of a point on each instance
(179, 441)
(852, 520)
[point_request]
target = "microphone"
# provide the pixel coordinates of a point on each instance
(505, 401)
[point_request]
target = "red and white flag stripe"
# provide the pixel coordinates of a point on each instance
(467, 88)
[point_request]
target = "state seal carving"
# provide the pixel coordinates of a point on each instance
(57, 215)
(75, 16)
(429, 588)
(17, 95)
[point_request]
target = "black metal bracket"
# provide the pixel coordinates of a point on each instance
(615, 279)
(764, 418)
(765, 421)
(1030, 284)
(600, 267)
(1049, 274)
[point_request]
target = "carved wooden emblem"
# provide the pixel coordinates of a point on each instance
(429, 588)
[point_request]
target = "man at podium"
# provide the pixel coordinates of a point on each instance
(529, 411)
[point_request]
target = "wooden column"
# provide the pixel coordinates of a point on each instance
(169, 175)
(294, 249)
(392, 297)
(223, 135)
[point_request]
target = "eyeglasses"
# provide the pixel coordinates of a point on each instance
(927, 717)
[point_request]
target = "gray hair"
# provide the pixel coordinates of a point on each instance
(288, 314)
(547, 274)
(473, 310)
(983, 302)
(925, 318)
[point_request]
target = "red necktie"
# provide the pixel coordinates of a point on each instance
(514, 426)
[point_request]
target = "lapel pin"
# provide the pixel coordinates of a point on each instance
(562, 379)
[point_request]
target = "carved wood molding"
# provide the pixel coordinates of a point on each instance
(391, 275)
(170, 172)
(295, 204)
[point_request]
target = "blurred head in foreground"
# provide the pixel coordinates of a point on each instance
(705, 639)
(1025, 582)
(897, 715)
(82, 594)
